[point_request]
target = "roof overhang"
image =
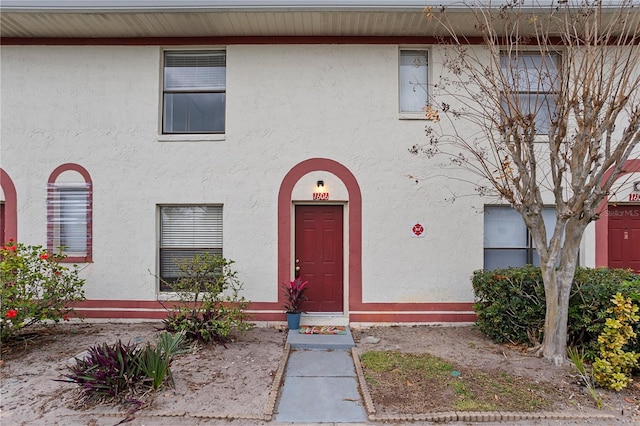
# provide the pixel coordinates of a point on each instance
(113, 19)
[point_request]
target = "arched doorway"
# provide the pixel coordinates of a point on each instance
(286, 222)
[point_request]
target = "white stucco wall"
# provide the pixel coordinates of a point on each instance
(99, 106)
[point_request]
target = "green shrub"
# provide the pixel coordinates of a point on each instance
(155, 362)
(210, 307)
(34, 287)
(612, 368)
(510, 304)
(591, 296)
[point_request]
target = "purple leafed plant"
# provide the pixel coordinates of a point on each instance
(106, 371)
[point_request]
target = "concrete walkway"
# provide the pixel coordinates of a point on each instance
(320, 383)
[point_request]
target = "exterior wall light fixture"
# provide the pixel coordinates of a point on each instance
(320, 184)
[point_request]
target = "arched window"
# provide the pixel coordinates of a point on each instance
(69, 213)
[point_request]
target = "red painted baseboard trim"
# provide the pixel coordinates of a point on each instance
(223, 41)
(395, 317)
(409, 307)
(272, 311)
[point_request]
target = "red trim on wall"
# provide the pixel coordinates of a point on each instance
(10, 207)
(225, 41)
(413, 317)
(118, 314)
(153, 310)
(231, 40)
(155, 304)
(424, 307)
(119, 304)
(396, 317)
(160, 315)
(146, 309)
(87, 178)
(355, 222)
(602, 224)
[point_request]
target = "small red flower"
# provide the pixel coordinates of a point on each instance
(65, 317)
(57, 272)
(10, 240)
(11, 248)
(44, 256)
(11, 313)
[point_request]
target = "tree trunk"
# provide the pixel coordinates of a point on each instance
(557, 292)
(557, 285)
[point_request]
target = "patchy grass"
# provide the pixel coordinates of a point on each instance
(422, 383)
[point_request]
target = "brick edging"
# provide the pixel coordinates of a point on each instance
(362, 385)
(277, 383)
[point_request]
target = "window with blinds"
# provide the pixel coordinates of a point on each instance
(184, 232)
(507, 242)
(413, 74)
(69, 218)
(194, 91)
(532, 78)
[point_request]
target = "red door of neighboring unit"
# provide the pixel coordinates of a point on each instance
(319, 255)
(624, 237)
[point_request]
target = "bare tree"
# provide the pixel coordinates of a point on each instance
(553, 93)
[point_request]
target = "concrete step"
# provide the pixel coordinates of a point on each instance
(298, 340)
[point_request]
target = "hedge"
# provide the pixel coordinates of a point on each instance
(510, 303)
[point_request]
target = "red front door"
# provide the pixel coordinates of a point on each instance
(624, 237)
(319, 256)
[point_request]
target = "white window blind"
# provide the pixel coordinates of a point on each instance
(413, 80)
(186, 231)
(69, 217)
(195, 71)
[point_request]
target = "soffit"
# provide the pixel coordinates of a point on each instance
(218, 24)
(242, 18)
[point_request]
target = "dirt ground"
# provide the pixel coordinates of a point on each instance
(235, 382)
(469, 349)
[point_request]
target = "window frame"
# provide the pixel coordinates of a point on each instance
(190, 135)
(54, 213)
(413, 114)
(528, 248)
(546, 96)
(213, 249)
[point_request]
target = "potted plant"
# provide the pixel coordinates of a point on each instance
(294, 292)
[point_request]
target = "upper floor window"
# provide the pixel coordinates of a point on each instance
(187, 230)
(532, 78)
(507, 242)
(194, 92)
(69, 213)
(414, 95)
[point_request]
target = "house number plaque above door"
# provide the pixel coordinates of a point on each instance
(320, 196)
